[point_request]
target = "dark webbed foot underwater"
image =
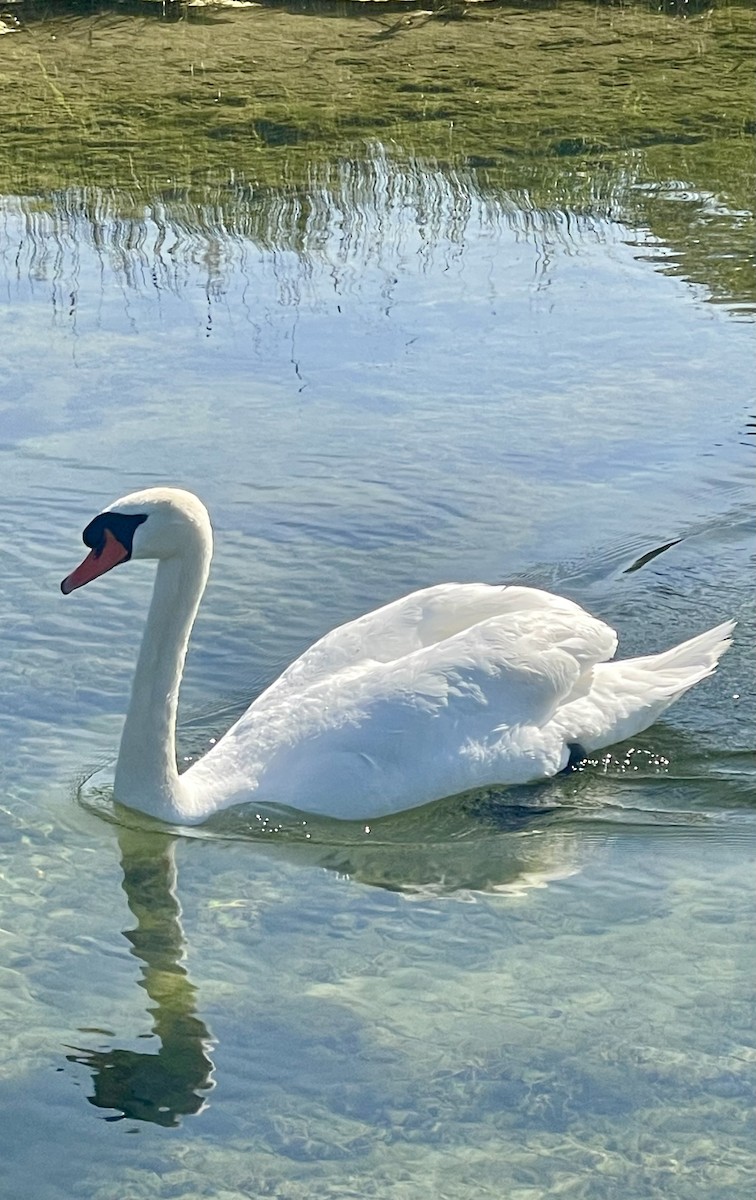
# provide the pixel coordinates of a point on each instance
(577, 760)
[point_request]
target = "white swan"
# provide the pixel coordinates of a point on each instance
(455, 687)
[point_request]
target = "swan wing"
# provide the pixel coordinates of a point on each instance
(421, 620)
(519, 667)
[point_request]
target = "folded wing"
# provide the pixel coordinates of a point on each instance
(427, 619)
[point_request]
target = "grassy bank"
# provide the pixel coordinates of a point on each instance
(574, 103)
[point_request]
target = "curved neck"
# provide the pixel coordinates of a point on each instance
(146, 776)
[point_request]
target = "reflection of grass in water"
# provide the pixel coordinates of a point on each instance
(349, 212)
(548, 100)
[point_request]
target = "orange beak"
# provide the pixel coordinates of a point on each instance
(96, 563)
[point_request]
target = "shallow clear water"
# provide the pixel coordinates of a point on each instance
(538, 992)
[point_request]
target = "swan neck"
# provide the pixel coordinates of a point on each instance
(146, 774)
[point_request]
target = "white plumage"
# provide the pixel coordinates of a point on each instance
(451, 688)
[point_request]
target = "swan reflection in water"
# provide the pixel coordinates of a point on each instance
(476, 847)
(503, 843)
(158, 1087)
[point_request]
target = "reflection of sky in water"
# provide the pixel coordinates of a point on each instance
(434, 376)
(418, 392)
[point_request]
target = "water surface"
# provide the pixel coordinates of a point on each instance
(386, 372)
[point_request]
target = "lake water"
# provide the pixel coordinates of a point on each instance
(384, 371)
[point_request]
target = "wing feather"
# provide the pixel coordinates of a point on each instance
(436, 718)
(428, 618)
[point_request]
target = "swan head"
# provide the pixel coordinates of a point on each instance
(158, 522)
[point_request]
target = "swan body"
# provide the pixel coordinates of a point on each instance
(451, 688)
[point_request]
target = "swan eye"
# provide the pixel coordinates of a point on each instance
(122, 526)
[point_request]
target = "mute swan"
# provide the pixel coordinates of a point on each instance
(451, 688)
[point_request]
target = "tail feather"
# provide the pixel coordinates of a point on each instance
(692, 660)
(628, 695)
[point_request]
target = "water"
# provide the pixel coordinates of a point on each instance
(406, 374)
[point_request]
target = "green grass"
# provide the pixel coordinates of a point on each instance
(576, 104)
